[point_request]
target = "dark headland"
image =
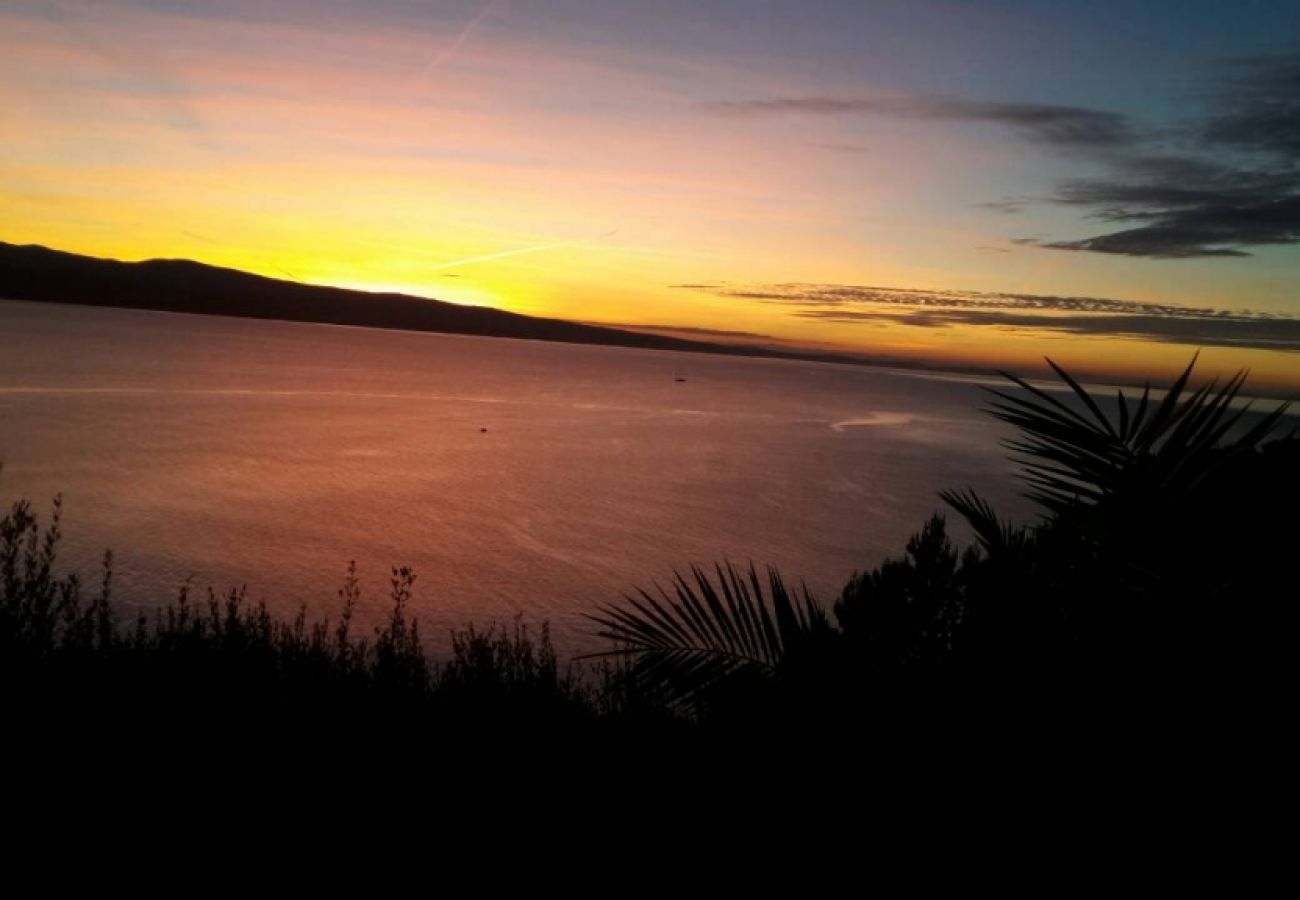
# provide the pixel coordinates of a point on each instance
(35, 273)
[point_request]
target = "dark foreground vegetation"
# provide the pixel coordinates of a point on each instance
(1156, 588)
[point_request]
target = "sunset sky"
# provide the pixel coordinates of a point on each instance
(1110, 183)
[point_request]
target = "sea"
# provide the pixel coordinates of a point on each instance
(521, 481)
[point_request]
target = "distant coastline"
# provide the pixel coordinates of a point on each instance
(35, 273)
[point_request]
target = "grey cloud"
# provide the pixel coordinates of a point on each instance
(1050, 123)
(1005, 206)
(1098, 316)
(1237, 186)
(1215, 186)
(846, 148)
(1147, 183)
(1216, 331)
(1205, 230)
(806, 294)
(1262, 109)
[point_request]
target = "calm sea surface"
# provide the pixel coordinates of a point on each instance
(229, 452)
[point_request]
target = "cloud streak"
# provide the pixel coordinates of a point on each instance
(1217, 331)
(1210, 229)
(799, 293)
(1054, 124)
(451, 49)
(1080, 316)
(1009, 207)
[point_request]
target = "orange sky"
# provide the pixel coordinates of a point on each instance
(564, 160)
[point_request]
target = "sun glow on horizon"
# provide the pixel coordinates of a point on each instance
(577, 163)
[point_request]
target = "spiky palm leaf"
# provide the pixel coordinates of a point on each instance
(697, 636)
(1071, 455)
(994, 534)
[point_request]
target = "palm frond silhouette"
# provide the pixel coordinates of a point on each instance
(710, 630)
(1071, 455)
(994, 534)
(1129, 487)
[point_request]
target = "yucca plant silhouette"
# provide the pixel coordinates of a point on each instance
(713, 633)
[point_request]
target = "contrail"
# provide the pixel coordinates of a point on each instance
(166, 94)
(267, 262)
(455, 45)
(501, 253)
(518, 251)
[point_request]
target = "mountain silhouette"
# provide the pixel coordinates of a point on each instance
(36, 273)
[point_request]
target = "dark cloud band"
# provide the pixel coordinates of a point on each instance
(1065, 125)
(1263, 334)
(1096, 316)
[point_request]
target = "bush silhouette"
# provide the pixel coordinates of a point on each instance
(1157, 578)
